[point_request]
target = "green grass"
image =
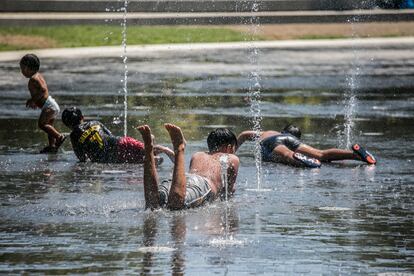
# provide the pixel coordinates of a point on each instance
(6, 47)
(323, 37)
(96, 35)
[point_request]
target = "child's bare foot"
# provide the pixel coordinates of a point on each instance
(177, 137)
(146, 135)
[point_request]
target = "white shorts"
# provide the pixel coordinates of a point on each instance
(50, 103)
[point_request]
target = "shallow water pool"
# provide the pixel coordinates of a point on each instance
(59, 216)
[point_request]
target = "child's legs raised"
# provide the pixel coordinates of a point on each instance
(176, 196)
(152, 199)
(45, 123)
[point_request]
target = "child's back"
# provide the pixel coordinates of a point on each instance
(203, 182)
(208, 165)
(38, 89)
(94, 141)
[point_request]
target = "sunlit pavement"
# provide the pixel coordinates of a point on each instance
(116, 51)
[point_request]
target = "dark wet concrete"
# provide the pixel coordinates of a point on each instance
(59, 216)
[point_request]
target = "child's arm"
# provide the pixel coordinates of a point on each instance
(31, 104)
(248, 135)
(106, 131)
(80, 154)
(161, 149)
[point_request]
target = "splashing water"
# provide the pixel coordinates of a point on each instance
(125, 61)
(349, 124)
(254, 94)
(224, 166)
(227, 240)
(350, 100)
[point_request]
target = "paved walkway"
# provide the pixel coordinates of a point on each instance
(116, 51)
(173, 18)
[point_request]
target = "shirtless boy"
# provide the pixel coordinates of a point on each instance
(203, 182)
(285, 147)
(92, 140)
(40, 98)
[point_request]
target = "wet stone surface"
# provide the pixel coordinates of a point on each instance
(60, 216)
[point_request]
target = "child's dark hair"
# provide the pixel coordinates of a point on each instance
(72, 116)
(220, 137)
(31, 61)
(293, 130)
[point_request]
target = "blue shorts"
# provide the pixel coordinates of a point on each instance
(198, 191)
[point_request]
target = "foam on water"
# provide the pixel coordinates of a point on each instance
(113, 172)
(260, 190)
(222, 242)
(156, 249)
(333, 208)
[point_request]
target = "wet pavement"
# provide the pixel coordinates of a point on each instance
(60, 216)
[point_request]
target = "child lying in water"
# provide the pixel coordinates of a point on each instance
(285, 147)
(92, 140)
(203, 182)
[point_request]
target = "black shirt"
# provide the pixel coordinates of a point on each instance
(94, 141)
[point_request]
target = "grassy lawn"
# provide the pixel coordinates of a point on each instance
(20, 38)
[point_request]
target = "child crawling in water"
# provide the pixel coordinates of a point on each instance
(203, 182)
(92, 140)
(40, 98)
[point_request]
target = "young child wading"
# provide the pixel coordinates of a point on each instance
(203, 182)
(40, 98)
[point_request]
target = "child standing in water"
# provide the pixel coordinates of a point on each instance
(40, 98)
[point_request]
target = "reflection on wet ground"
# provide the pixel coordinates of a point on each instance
(60, 216)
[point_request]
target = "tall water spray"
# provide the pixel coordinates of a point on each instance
(254, 92)
(224, 166)
(228, 239)
(350, 99)
(125, 61)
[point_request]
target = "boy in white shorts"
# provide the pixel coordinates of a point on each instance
(40, 98)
